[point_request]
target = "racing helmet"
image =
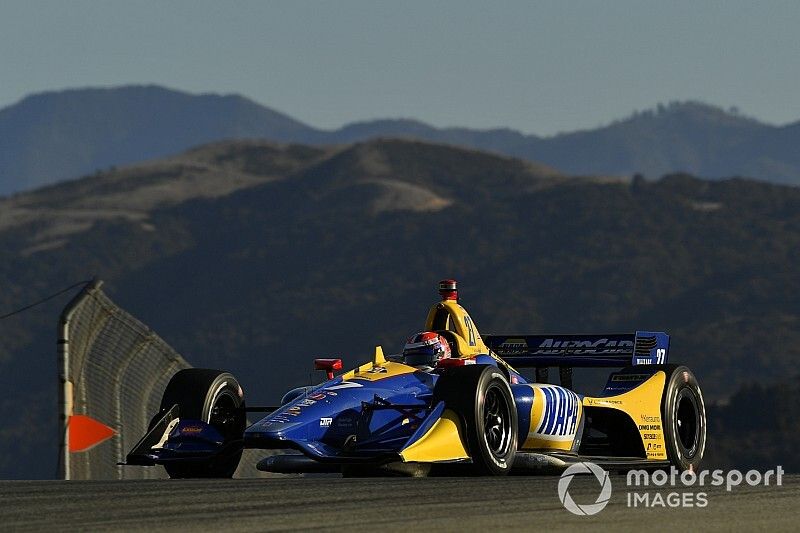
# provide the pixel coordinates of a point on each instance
(425, 349)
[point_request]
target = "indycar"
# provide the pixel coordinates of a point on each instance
(472, 412)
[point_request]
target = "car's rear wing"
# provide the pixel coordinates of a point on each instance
(617, 350)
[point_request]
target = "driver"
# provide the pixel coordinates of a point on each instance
(425, 349)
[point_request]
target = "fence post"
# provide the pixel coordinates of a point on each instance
(64, 378)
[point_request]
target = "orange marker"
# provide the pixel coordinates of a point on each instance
(85, 432)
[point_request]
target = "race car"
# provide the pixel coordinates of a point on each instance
(454, 401)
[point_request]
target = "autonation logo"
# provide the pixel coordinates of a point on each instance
(680, 489)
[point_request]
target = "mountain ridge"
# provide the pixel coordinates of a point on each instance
(53, 136)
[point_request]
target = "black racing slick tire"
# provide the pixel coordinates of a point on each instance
(683, 415)
(215, 397)
(481, 396)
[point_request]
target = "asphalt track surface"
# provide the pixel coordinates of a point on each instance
(410, 504)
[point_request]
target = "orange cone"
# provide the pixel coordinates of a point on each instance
(85, 432)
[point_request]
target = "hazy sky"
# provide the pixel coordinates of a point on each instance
(540, 67)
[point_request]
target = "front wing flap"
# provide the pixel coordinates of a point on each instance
(172, 439)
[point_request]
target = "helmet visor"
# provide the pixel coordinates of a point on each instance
(424, 355)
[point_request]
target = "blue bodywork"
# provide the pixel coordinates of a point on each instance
(356, 419)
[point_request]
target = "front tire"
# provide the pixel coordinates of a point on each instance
(216, 398)
(481, 396)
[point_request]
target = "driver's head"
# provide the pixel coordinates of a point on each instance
(425, 349)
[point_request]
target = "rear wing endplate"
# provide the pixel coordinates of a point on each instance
(617, 350)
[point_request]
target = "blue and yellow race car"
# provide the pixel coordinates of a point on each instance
(453, 401)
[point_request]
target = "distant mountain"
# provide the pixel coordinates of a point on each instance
(48, 137)
(684, 137)
(681, 137)
(258, 257)
(52, 136)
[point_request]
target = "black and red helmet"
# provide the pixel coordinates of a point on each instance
(425, 348)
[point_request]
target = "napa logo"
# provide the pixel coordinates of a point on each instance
(554, 413)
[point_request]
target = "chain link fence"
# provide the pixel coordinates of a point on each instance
(113, 369)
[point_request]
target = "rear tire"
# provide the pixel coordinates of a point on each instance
(683, 415)
(481, 396)
(214, 397)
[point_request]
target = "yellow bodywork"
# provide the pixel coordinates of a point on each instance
(444, 441)
(373, 372)
(449, 315)
(643, 405)
(378, 368)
